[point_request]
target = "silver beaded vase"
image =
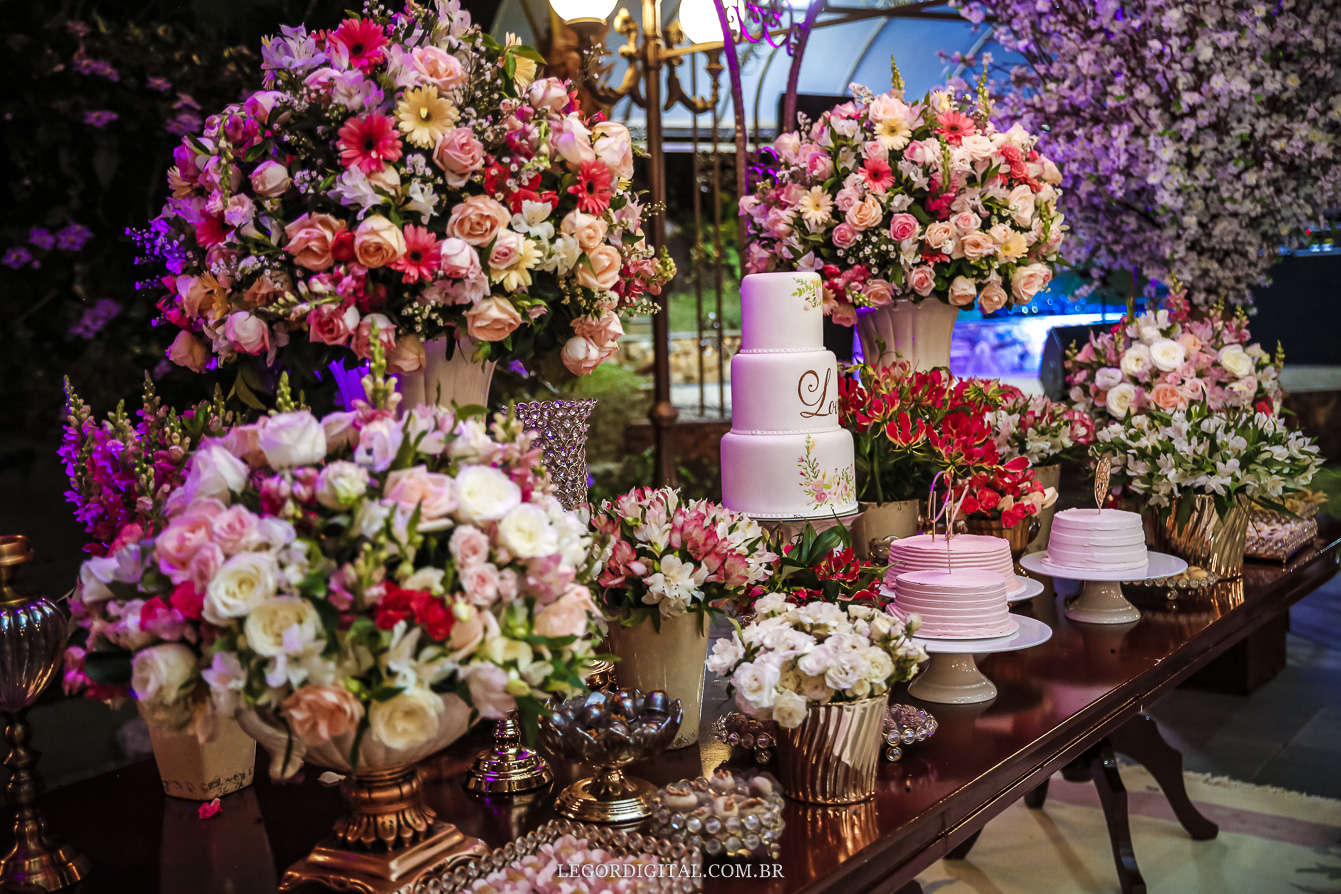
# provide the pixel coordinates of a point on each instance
(561, 427)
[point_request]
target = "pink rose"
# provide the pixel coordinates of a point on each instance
(963, 291)
(614, 148)
(977, 245)
(459, 155)
(844, 235)
(433, 492)
(386, 334)
(1168, 397)
(902, 226)
(603, 274)
(270, 179)
(179, 542)
(506, 250)
(469, 545)
(204, 565)
(992, 298)
(438, 67)
(458, 259)
(331, 324)
(846, 198)
(922, 280)
(788, 147)
(189, 351)
(477, 220)
(493, 319)
(572, 140)
(234, 529)
(865, 214)
(244, 442)
(1193, 389)
(488, 694)
(247, 333)
(819, 166)
(588, 229)
(480, 581)
(965, 221)
(310, 238)
(604, 330)
(569, 615)
(548, 93)
(581, 355)
(317, 714)
(378, 242)
(878, 292)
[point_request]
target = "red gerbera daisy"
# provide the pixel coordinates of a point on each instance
(592, 188)
(363, 40)
(878, 174)
(955, 126)
(369, 141)
(423, 254)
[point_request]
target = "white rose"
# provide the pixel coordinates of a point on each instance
(293, 439)
(1107, 378)
(1136, 361)
(268, 627)
(239, 586)
(485, 494)
(845, 672)
(407, 720)
(1167, 354)
(215, 471)
(755, 683)
(1236, 360)
(340, 484)
(1119, 399)
(789, 709)
(270, 179)
(159, 673)
(725, 653)
(1021, 205)
(527, 533)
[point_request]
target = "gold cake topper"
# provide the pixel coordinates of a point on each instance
(1102, 472)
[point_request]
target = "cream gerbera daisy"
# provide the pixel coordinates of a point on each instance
(517, 276)
(1013, 248)
(425, 116)
(893, 133)
(816, 206)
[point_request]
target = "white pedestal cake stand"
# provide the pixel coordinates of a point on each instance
(953, 678)
(1031, 589)
(1101, 600)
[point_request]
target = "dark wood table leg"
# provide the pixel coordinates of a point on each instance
(961, 850)
(1113, 798)
(1141, 741)
(1038, 796)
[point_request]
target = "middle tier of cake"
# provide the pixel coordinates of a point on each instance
(786, 392)
(793, 475)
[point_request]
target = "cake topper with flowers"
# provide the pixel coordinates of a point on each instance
(889, 199)
(404, 172)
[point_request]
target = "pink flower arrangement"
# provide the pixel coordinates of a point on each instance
(404, 170)
(1040, 430)
(894, 200)
(1169, 360)
(660, 556)
(346, 573)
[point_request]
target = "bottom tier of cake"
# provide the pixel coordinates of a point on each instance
(802, 475)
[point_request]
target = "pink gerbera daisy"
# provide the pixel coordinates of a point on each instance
(955, 126)
(592, 188)
(878, 174)
(363, 40)
(423, 255)
(369, 141)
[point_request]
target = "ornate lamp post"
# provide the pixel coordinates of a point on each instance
(648, 49)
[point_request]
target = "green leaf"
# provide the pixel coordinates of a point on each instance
(108, 666)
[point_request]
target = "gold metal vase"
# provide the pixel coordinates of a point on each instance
(1207, 539)
(832, 757)
(32, 643)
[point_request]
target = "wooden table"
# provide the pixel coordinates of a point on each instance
(1072, 703)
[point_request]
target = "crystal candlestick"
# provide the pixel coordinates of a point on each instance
(32, 642)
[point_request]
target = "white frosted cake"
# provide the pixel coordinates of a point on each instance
(785, 456)
(956, 604)
(967, 552)
(1097, 539)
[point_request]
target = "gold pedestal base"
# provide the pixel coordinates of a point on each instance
(509, 767)
(391, 872)
(49, 866)
(611, 797)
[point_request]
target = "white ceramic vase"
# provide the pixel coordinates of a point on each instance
(917, 332)
(203, 771)
(672, 660)
(445, 381)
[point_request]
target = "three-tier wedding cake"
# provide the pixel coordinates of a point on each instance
(786, 455)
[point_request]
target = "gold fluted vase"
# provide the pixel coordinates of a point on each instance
(1207, 539)
(832, 757)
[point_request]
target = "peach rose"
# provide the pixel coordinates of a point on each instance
(493, 319)
(939, 234)
(844, 235)
(1168, 397)
(581, 355)
(1191, 344)
(433, 492)
(310, 238)
(604, 330)
(477, 220)
(568, 615)
(331, 324)
(407, 355)
(963, 292)
(386, 334)
(189, 351)
(879, 293)
(993, 297)
(977, 245)
(865, 214)
(459, 155)
(378, 242)
(247, 333)
(439, 67)
(614, 148)
(603, 274)
(588, 229)
(1028, 281)
(262, 292)
(317, 714)
(922, 280)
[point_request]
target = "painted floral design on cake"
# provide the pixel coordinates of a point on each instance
(824, 487)
(808, 290)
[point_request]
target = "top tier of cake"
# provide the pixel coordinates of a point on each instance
(955, 605)
(965, 552)
(781, 312)
(1097, 539)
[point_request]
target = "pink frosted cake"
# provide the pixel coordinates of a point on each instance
(955, 605)
(785, 456)
(968, 552)
(1098, 540)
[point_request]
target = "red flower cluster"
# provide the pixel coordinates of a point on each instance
(415, 607)
(1009, 492)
